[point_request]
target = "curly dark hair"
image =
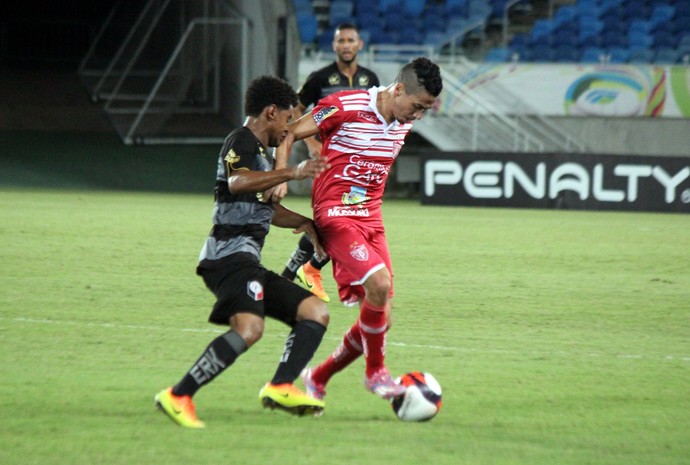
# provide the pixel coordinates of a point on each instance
(268, 90)
(421, 73)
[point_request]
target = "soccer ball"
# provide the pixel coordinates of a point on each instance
(422, 399)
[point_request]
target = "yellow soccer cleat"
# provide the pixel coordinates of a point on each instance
(179, 409)
(289, 398)
(311, 278)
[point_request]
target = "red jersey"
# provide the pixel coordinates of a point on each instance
(361, 148)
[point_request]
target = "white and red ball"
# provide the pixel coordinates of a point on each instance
(422, 398)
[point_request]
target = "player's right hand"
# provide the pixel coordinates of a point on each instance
(311, 168)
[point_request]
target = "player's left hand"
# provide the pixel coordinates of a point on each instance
(310, 228)
(276, 193)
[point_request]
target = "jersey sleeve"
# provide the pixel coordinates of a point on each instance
(310, 92)
(328, 114)
(239, 154)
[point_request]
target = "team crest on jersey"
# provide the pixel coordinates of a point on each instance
(357, 195)
(231, 158)
(255, 290)
(324, 113)
(363, 81)
(334, 79)
(359, 252)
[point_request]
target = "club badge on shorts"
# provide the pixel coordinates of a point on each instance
(255, 290)
(359, 252)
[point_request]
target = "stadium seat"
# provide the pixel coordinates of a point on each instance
(385, 5)
(456, 8)
(308, 27)
(613, 39)
(479, 9)
(618, 55)
(432, 22)
(541, 53)
(664, 39)
(303, 6)
(340, 12)
(566, 13)
(593, 55)
(566, 54)
(661, 14)
(636, 9)
(564, 37)
(498, 55)
(640, 25)
(666, 56)
(519, 39)
(641, 55)
(589, 38)
(413, 8)
(640, 39)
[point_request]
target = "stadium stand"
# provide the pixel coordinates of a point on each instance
(589, 31)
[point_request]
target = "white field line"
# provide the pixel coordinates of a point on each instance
(390, 343)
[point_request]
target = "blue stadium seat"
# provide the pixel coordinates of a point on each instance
(340, 12)
(640, 39)
(519, 39)
(498, 55)
(588, 38)
(640, 25)
(479, 9)
(303, 6)
(613, 39)
(661, 14)
(664, 39)
(432, 22)
(522, 52)
(566, 13)
(636, 9)
(566, 54)
(541, 53)
(641, 55)
(666, 56)
(618, 55)
(413, 8)
(308, 27)
(385, 5)
(593, 55)
(563, 37)
(456, 7)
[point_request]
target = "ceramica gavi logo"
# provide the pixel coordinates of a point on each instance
(556, 181)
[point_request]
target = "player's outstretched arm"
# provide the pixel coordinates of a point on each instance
(286, 218)
(246, 181)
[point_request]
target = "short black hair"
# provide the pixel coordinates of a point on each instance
(265, 91)
(346, 26)
(421, 73)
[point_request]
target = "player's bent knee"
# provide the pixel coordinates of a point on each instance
(313, 308)
(250, 328)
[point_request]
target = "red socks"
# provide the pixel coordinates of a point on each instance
(367, 335)
(372, 324)
(348, 351)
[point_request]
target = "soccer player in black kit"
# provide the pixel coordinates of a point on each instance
(229, 262)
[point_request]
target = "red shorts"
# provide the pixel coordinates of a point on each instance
(356, 252)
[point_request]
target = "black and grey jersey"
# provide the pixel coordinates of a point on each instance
(240, 221)
(328, 80)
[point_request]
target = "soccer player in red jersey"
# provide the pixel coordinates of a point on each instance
(363, 132)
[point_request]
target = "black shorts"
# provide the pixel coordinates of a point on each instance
(242, 284)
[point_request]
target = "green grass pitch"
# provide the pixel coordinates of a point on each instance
(559, 337)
